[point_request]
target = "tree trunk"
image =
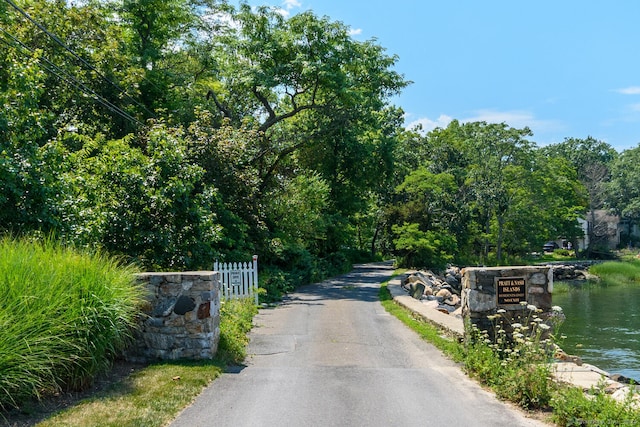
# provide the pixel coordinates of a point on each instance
(500, 237)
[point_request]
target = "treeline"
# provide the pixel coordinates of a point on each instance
(175, 132)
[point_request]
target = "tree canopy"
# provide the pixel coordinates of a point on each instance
(175, 132)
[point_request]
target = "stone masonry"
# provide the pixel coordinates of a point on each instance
(512, 291)
(181, 319)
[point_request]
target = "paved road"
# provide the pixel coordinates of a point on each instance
(331, 356)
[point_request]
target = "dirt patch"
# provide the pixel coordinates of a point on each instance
(33, 412)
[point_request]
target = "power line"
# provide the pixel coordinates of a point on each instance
(70, 80)
(75, 55)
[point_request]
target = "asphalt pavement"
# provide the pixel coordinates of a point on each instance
(330, 355)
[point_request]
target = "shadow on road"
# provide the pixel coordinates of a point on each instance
(361, 284)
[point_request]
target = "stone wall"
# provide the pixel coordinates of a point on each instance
(181, 319)
(510, 291)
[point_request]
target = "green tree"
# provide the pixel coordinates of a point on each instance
(500, 159)
(487, 187)
(592, 159)
(422, 235)
(547, 201)
(281, 130)
(25, 181)
(150, 205)
(166, 42)
(319, 100)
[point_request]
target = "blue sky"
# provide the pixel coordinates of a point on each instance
(563, 68)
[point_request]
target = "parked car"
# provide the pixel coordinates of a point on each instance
(550, 246)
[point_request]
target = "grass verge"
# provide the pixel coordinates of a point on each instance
(426, 331)
(151, 397)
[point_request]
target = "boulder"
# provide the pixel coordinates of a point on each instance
(452, 281)
(444, 294)
(417, 290)
(453, 300)
(621, 379)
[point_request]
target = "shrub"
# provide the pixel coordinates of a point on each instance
(562, 252)
(515, 359)
(275, 284)
(65, 316)
(236, 317)
(572, 407)
(418, 248)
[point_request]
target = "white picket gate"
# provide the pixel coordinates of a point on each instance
(238, 279)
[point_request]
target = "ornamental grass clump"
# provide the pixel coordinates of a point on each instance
(65, 315)
(515, 357)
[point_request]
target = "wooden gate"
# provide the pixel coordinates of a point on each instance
(238, 279)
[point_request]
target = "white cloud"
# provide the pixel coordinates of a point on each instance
(631, 90)
(290, 4)
(516, 119)
(287, 6)
(355, 32)
(428, 125)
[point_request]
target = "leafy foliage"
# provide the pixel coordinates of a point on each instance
(141, 197)
(236, 317)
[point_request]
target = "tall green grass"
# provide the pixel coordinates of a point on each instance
(63, 316)
(614, 273)
(236, 320)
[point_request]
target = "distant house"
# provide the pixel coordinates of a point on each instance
(609, 230)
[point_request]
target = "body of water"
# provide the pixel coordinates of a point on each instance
(603, 327)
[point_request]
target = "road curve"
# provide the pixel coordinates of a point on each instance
(330, 355)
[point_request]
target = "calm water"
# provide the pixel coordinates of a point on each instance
(603, 327)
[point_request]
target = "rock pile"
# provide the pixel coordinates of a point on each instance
(443, 292)
(568, 272)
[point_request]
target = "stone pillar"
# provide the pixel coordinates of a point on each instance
(510, 291)
(181, 319)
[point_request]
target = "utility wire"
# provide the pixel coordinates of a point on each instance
(70, 80)
(75, 55)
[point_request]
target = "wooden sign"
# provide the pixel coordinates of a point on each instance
(511, 290)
